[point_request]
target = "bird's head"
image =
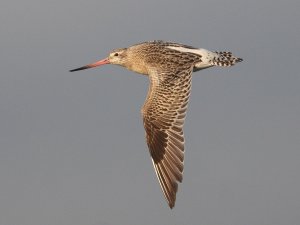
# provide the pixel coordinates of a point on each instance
(117, 56)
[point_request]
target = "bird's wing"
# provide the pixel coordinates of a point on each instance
(163, 116)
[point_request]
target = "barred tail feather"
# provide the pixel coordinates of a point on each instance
(225, 59)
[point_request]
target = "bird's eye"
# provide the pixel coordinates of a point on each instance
(116, 54)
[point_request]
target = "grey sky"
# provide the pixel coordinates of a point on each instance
(72, 148)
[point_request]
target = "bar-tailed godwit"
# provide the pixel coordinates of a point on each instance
(169, 67)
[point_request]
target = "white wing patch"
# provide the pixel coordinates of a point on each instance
(199, 51)
(206, 56)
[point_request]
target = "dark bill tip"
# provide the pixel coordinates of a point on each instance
(80, 68)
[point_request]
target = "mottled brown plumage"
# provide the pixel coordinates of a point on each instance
(169, 67)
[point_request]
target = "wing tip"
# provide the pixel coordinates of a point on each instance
(171, 205)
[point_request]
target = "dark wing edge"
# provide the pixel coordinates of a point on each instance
(163, 116)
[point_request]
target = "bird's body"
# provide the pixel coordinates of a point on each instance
(169, 67)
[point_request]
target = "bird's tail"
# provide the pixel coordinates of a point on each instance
(224, 59)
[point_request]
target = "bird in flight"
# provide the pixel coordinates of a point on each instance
(169, 67)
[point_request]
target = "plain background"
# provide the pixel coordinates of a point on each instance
(72, 146)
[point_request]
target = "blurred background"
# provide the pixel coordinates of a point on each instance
(72, 146)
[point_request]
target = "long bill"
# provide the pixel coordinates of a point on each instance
(98, 63)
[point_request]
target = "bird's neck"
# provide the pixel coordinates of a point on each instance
(136, 64)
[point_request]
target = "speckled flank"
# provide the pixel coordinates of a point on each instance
(169, 67)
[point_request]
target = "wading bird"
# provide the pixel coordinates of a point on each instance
(169, 67)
